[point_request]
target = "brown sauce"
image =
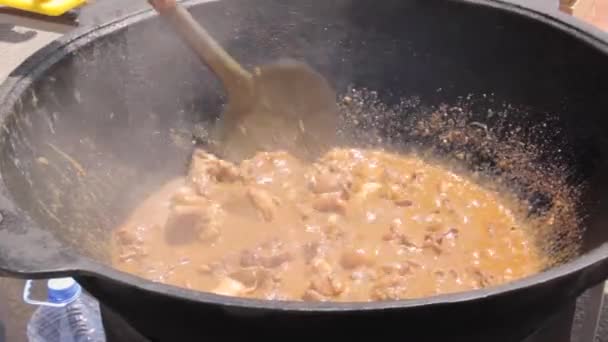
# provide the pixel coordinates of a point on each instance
(357, 225)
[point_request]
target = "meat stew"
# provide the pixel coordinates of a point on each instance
(357, 225)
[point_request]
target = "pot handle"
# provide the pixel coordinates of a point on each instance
(28, 252)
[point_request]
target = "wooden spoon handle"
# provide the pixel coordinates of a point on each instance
(235, 78)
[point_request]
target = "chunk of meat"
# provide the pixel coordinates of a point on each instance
(403, 202)
(131, 253)
(398, 194)
(393, 176)
(205, 168)
(270, 255)
(253, 277)
(214, 268)
(270, 167)
(395, 235)
(333, 230)
(396, 268)
(264, 203)
(311, 250)
(405, 241)
(226, 172)
(277, 259)
(249, 259)
(127, 237)
(131, 243)
(304, 210)
(432, 245)
(448, 237)
(220, 170)
(342, 160)
(394, 231)
(231, 287)
(186, 224)
(324, 280)
(186, 195)
(354, 258)
(390, 287)
(367, 190)
(314, 296)
(321, 266)
(369, 171)
(444, 186)
(327, 285)
(364, 274)
(127, 255)
(330, 203)
(434, 228)
(483, 279)
(325, 181)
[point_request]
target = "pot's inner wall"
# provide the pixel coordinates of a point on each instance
(111, 121)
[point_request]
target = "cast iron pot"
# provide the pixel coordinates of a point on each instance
(101, 117)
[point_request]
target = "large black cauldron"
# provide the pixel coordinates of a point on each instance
(99, 118)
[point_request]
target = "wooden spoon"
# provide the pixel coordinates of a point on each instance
(285, 105)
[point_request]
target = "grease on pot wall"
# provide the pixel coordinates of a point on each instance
(20, 36)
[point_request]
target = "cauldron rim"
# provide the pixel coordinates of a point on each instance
(78, 266)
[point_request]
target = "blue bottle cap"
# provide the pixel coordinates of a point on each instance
(63, 290)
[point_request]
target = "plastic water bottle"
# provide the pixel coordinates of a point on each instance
(68, 315)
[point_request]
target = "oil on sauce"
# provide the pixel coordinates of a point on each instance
(357, 225)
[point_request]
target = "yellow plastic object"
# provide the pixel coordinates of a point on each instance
(46, 7)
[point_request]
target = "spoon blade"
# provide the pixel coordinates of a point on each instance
(294, 109)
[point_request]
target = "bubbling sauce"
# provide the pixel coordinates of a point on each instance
(356, 225)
